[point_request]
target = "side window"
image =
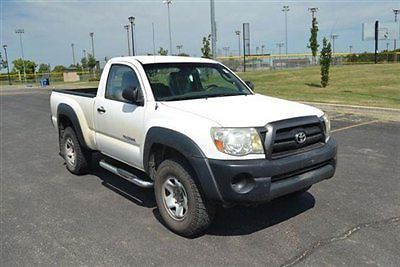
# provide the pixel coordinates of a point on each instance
(119, 78)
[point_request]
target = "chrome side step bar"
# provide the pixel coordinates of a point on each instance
(126, 175)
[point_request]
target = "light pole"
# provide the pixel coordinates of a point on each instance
(387, 52)
(84, 55)
(280, 45)
(73, 54)
(168, 3)
(313, 10)
(286, 9)
(91, 36)
(334, 37)
(226, 49)
(396, 13)
(126, 27)
(20, 32)
(154, 39)
(8, 69)
(132, 22)
(350, 49)
(213, 30)
(237, 32)
(179, 47)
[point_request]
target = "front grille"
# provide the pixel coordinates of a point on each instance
(283, 139)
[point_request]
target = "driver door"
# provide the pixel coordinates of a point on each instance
(119, 122)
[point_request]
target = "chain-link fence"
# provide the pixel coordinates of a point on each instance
(292, 61)
(53, 77)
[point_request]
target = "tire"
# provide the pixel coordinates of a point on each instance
(77, 159)
(196, 213)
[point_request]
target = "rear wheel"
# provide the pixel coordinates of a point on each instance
(181, 206)
(77, 159)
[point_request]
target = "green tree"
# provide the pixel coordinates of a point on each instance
(78, 67)
(313, 41)
(162, 52)
(44, 68)
(91, 62)
(30, 66)
(183, 55)
(84, 63)
(59, 68)
(325, 62)
(206, 49)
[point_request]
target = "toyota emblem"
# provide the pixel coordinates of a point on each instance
(300, 137)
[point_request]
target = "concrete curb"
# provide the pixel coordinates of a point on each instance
(374, 112)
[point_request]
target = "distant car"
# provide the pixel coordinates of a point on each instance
(200, 135)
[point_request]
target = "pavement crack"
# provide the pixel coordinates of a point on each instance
(323, 242)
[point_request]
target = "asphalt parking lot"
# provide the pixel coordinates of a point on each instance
(49, 216)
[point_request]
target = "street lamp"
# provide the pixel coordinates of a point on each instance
(213, 30)
(168, 3)
(126, 27)
(396, 13)
(334, 37)
(226, 49)
(84, 55)
(179, 47)
(8, 69)
(238, 35)
(286, 9)
(313, 10)
(20, 32)
(73, 54)
(91, 36)
(132, 22)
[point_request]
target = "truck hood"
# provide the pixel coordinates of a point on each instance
(244, 111)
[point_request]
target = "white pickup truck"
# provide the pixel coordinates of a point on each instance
(199, 134)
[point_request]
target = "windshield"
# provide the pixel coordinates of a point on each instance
(180, 81)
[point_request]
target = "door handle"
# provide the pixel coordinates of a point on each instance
(101, 110)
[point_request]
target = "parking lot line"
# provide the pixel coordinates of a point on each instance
(355, 125)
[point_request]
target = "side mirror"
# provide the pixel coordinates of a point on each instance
(250, 84)
(133, 95)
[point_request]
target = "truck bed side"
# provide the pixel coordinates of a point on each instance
(78, 106)
(85, 92)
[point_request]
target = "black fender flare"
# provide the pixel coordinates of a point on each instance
(190, 150)
(67, 111)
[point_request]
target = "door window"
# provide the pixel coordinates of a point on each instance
(120, 77)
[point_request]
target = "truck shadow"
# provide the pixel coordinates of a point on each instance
(239, 220)
(140, 196)
(247, 220)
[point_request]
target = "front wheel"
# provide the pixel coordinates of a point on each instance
(181, 206)
(77, 159)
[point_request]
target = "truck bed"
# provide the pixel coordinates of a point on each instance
(85, 92)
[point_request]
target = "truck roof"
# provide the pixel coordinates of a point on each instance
(163, 59)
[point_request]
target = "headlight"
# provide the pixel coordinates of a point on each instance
(327, 124)
(237, 141)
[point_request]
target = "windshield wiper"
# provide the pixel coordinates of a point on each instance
(188, 97)
(225, 94)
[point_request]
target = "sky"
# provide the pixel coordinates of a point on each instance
(51, 26)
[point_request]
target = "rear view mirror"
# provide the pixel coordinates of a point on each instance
(133, 95)
(250, 85)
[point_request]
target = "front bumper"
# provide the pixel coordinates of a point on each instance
(268, 179)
